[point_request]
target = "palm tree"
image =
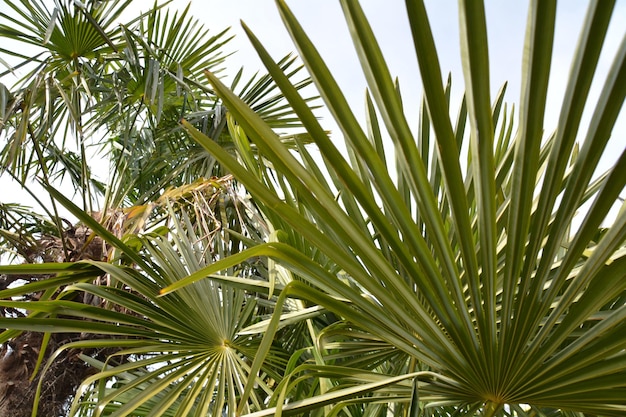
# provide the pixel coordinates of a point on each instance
(461, 288)
(399, 279)
(121, 89)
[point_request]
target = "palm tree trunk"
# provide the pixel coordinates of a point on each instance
(17, 364)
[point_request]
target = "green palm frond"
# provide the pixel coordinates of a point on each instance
(185, 353)
(68, 31)
(472, 270)
(264, 97)
(52, 98)
(20, 229)
(467, 267)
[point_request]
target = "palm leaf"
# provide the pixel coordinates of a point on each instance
(476, 274)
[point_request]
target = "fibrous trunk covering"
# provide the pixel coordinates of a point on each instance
(17, 364)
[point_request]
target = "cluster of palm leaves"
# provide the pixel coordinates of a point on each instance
(398, 278)
(97, 87)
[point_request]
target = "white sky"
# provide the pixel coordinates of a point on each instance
(325, 24)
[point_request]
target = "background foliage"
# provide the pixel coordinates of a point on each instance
(433, 273)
